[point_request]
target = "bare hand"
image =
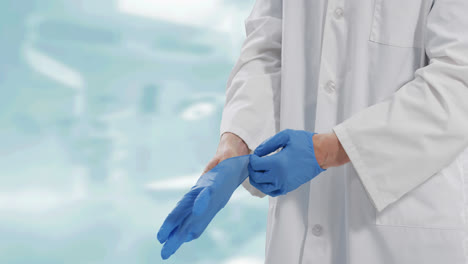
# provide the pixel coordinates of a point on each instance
(229, 146)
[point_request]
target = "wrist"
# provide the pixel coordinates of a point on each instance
(321, 153)
(328, 150)
(230, 142)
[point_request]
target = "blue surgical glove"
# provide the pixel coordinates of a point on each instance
(199, 206)
(282, 172)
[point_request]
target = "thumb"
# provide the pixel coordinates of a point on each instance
(277, 141)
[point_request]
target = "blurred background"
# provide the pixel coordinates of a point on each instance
(109, 111)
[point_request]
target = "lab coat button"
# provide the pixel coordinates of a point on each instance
(317, 230)
(330, 87)
(339, 12)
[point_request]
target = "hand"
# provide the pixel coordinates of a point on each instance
(199, 206)
(229, 146)
(283, 172)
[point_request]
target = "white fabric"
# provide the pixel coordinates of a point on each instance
(390, 78)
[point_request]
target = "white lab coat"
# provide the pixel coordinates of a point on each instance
(358, 68)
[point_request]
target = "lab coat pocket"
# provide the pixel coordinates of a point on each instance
(437, 203)
(399, 23)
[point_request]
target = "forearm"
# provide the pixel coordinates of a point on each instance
(252, 103)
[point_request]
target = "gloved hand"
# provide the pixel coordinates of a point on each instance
(199, 206)
(294, 165)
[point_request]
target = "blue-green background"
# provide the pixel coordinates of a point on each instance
(107, 117)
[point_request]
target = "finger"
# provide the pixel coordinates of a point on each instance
(171, 223)
(178, 215)
(198, 228)
(277, 141)
(262, 163)
(211, 164)
(262, 177)
(256, 176)
(173, 243)
(265, 188)
(201, 202)
(251, 170)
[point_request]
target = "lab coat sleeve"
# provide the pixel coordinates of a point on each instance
(251, 109)
(401, 142)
